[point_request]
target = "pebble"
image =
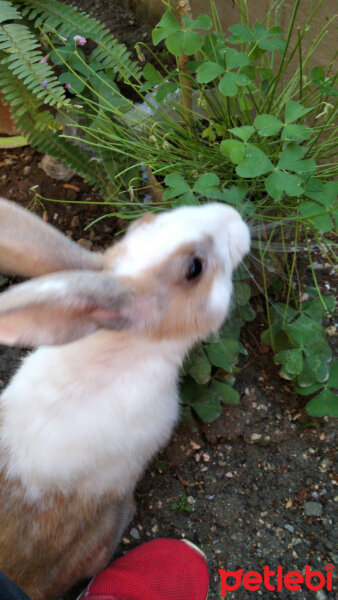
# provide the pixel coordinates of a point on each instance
(135, 533)
(320, 595)
(289, 528)
(313, 509)
(229, 475)
(326, 463)
(255, 436)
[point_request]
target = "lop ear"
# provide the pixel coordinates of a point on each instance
(30, 247)
(62, 307)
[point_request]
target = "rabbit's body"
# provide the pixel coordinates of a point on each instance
(86, 411)
(96, 435)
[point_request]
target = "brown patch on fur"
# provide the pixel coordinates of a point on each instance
(49, 545)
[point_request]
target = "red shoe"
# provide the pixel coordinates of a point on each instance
(163, 569)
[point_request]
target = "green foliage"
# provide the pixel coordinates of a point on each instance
(182, 504)
(33, 88)
(258, 134)
(303, 353)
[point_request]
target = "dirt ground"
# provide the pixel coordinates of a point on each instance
(254, 488)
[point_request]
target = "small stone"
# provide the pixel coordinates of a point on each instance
(85, 243)
(326, 463)
(75, 222)
(289, 528)
(135, 533)
(229, 475)
(320, 595)
(190, 499)
(194, 445)
(255, 436)
(313, 509)
(331, 330)
(26, 169)
(154, 528)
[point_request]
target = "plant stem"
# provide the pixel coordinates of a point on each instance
(183, 8)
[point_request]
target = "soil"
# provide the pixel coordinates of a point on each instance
(254, 488)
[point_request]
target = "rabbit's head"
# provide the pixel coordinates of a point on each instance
(169, 277)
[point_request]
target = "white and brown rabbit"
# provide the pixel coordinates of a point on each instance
(86, 411)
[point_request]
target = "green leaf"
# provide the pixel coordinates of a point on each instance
(234, 149)
(303, 330)
(291, 153)
(167, 25)
(76, 85)
(333, 377)
(242, 292)
(165, 89)
(236, 193)
(236, 59)
(255, 163)
(322, 222)
(292, 360)
(177, 186)
(207, 406)
(296, 133)
(207, 184)
(246, 312)
(306, 391)
(279, 181)
(188, 199)
(244, 132)
(192, 42)
(152, 75)
(223, 354)
(317, 74)
(174, 43)
(224, 392)
(325, 403)
(208, 71)
(294, 111)
(272, 44)
(227, 85)
(267, 124)
(200, 368)
(202, 22)
(242, 33)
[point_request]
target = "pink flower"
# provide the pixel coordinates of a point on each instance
(44, 59)
(81, 41)
(67, 86)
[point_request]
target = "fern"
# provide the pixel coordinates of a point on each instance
(20, 52)
(43, 131)
(30, 86)
(68, 21)
(8, 12)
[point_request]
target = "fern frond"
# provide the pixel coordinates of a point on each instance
(21, 54)
(44, 132)
(8, 12)
(68, 21)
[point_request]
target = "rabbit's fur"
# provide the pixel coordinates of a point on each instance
(88, 409)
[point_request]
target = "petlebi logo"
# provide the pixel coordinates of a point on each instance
(276, 580)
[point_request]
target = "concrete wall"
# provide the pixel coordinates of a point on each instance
(151, 11)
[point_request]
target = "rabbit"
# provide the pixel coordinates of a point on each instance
(89, 408)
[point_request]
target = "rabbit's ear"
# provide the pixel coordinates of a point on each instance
(30, 247)
(62, 307)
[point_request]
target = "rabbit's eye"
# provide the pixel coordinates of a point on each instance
(195, 268)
